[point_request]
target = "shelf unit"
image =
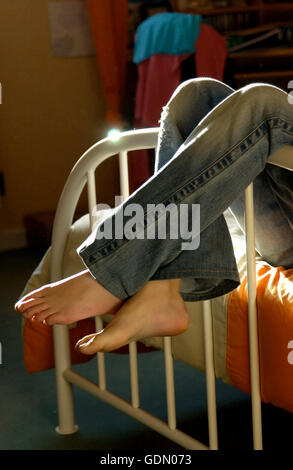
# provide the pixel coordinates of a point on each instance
(254, 12)
(262, 6)
(272, 64)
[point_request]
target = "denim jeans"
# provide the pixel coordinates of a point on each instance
(213, 142)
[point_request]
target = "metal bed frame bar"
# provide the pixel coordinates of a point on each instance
(84, 173)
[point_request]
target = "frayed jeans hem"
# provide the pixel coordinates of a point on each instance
(225, 283)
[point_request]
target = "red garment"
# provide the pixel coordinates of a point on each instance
(158, 77)
(211, 53)
(150, 97)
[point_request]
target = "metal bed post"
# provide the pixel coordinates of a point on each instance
(64, 388)
(133, 365)
(65, 404)
(62, 223)
(83, 173)
(170, 387)
(92, 200)
(210, 374)
(252, 320)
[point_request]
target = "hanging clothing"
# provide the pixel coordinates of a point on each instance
(166, 33)
(160, 49)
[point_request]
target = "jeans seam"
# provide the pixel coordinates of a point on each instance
(227, 153)
(194, 179)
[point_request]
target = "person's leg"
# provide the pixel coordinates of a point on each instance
(273, 188)
(190, 103)
(144, 314)
(218, 160)
(273, 215)
(71, 299)
(228, 148)
(147, 314)
(157, 309)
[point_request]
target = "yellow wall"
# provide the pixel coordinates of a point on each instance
(52, 110)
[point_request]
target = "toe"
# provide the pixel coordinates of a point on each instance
(84, 340)
(34, 310)
(53, 318)
(90, 344)
(45, 315)
(31, 295)
(23, 306)
(59, 318)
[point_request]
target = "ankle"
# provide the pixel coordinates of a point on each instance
(162, 288)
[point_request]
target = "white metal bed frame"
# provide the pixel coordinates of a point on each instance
(84, 173)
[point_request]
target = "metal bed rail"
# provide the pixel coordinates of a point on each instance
(84, 173)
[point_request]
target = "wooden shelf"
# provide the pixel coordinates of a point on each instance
(279, 78)
(254, 63)
(270, 65)
(255, 76)
(277, 6)
(259, 29)
(222, 11)
(234, 18)
(263, 53)
(258, 7)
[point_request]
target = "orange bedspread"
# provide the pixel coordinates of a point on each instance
(275, 329)
(38, 347)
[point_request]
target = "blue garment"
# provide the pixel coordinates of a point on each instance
(166, 33)
(213, 142)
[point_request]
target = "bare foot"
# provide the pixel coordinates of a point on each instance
(69, 300)
(157, 309)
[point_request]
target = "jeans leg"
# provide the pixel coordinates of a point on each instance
(188, 105)
(273, 215)
(228, 148)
